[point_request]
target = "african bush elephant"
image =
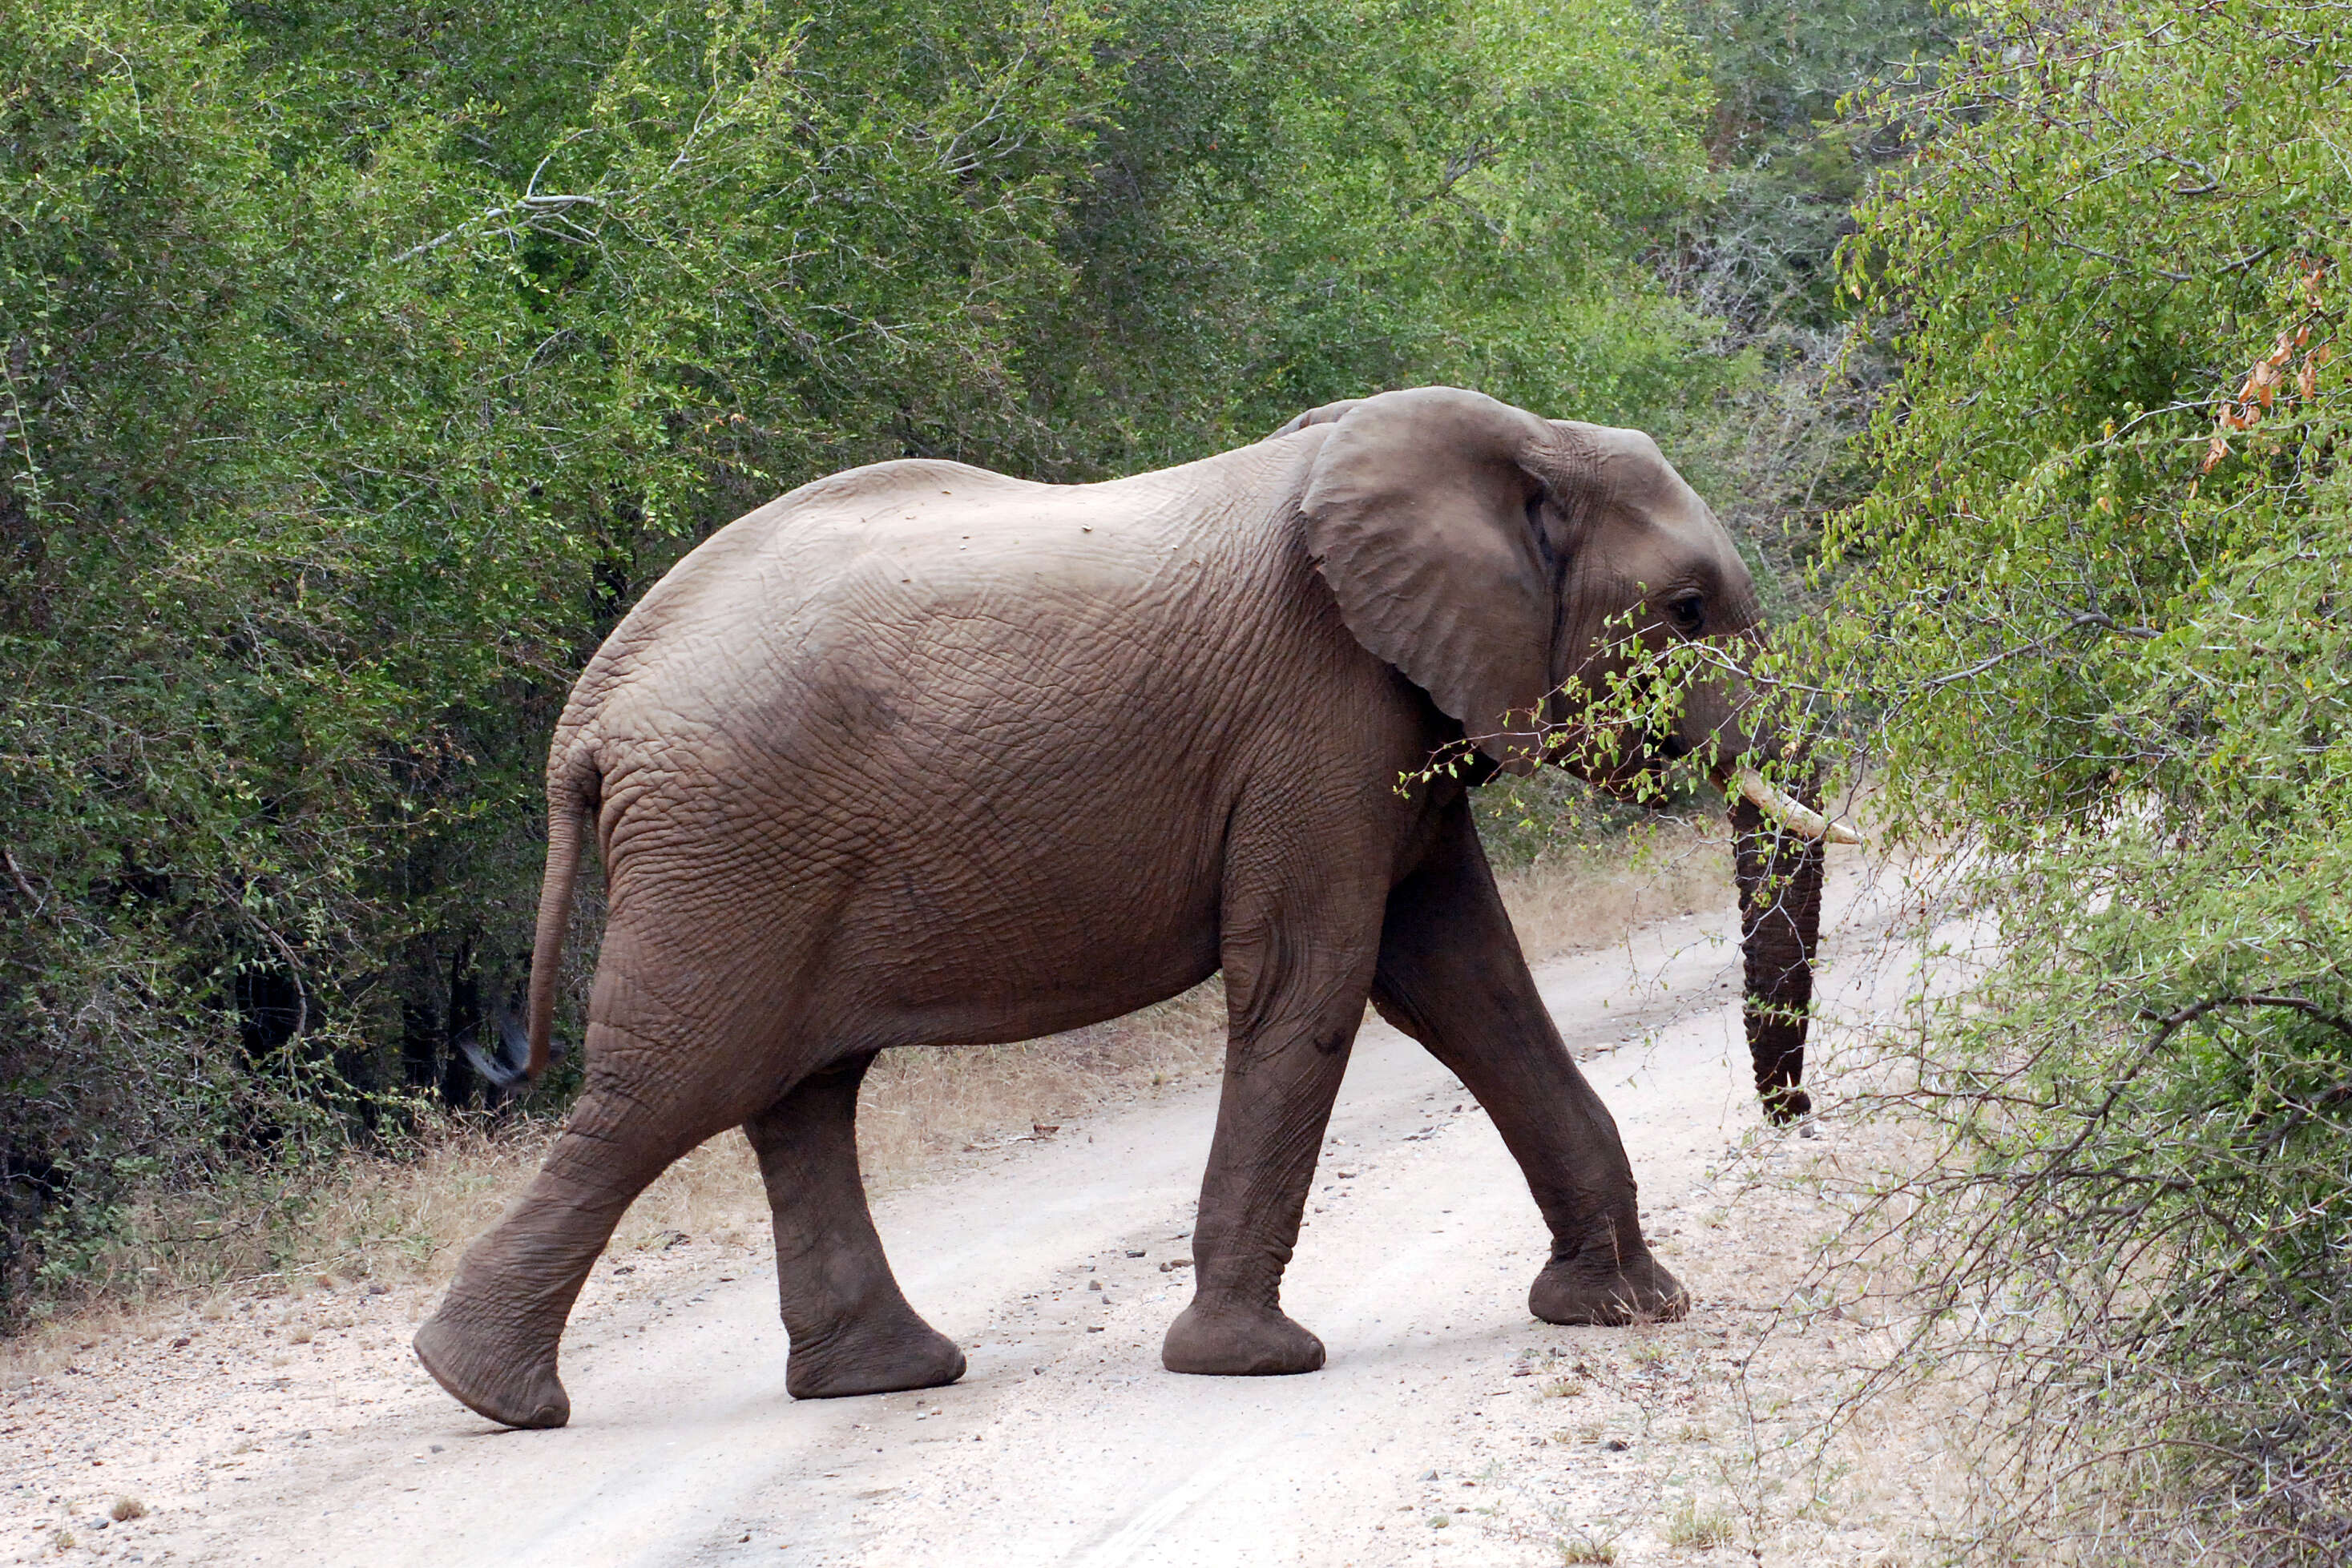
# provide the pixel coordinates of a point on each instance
(921, 755)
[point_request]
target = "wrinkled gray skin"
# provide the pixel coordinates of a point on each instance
(921, 755)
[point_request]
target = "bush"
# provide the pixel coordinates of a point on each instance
(2099, 623)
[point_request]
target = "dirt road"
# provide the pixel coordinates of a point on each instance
(1449, 1428)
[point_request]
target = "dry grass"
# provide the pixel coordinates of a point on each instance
(1590, 896)
(922, 1104)
(405, 1220)
(1693, 1527)
(1581, 1546)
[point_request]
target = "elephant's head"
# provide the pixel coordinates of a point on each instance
(1508, 566)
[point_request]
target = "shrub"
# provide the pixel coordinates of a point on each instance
(2099, 631)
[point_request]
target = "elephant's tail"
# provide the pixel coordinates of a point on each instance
(570, 799)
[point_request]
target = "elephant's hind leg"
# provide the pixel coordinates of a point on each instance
(852, 1330)
(492, 1342)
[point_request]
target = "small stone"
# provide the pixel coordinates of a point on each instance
(1135, 1251)
(436, 1447)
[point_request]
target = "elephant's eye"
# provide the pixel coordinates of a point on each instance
(1689, 613)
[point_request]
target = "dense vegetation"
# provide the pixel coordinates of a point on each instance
(2102, 634)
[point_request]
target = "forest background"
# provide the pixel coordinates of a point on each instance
(361, 363)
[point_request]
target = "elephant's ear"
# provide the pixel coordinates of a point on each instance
(1420, 514)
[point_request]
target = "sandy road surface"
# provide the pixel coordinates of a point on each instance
(1448, 1428)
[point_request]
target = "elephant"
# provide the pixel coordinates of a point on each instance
(923, 755)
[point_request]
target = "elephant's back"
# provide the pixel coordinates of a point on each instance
(979, 587)
(775, 559)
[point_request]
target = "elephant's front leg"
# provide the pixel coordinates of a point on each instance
(1295, 991)
(1452, 976)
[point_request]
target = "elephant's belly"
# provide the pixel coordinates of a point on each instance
(918, 967)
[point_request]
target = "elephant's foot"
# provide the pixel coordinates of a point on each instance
(512, 1390)
(873, 1354)
(1239, 1341)
(1640, 1291)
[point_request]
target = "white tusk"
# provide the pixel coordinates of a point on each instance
(1798, 817)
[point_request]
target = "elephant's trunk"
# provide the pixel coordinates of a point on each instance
(1779, 870)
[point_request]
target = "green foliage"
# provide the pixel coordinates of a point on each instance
(1294, 205)
(362, 362)
(1546, 816)
(1789, 165)
(1777, 450)
(2102, 634)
